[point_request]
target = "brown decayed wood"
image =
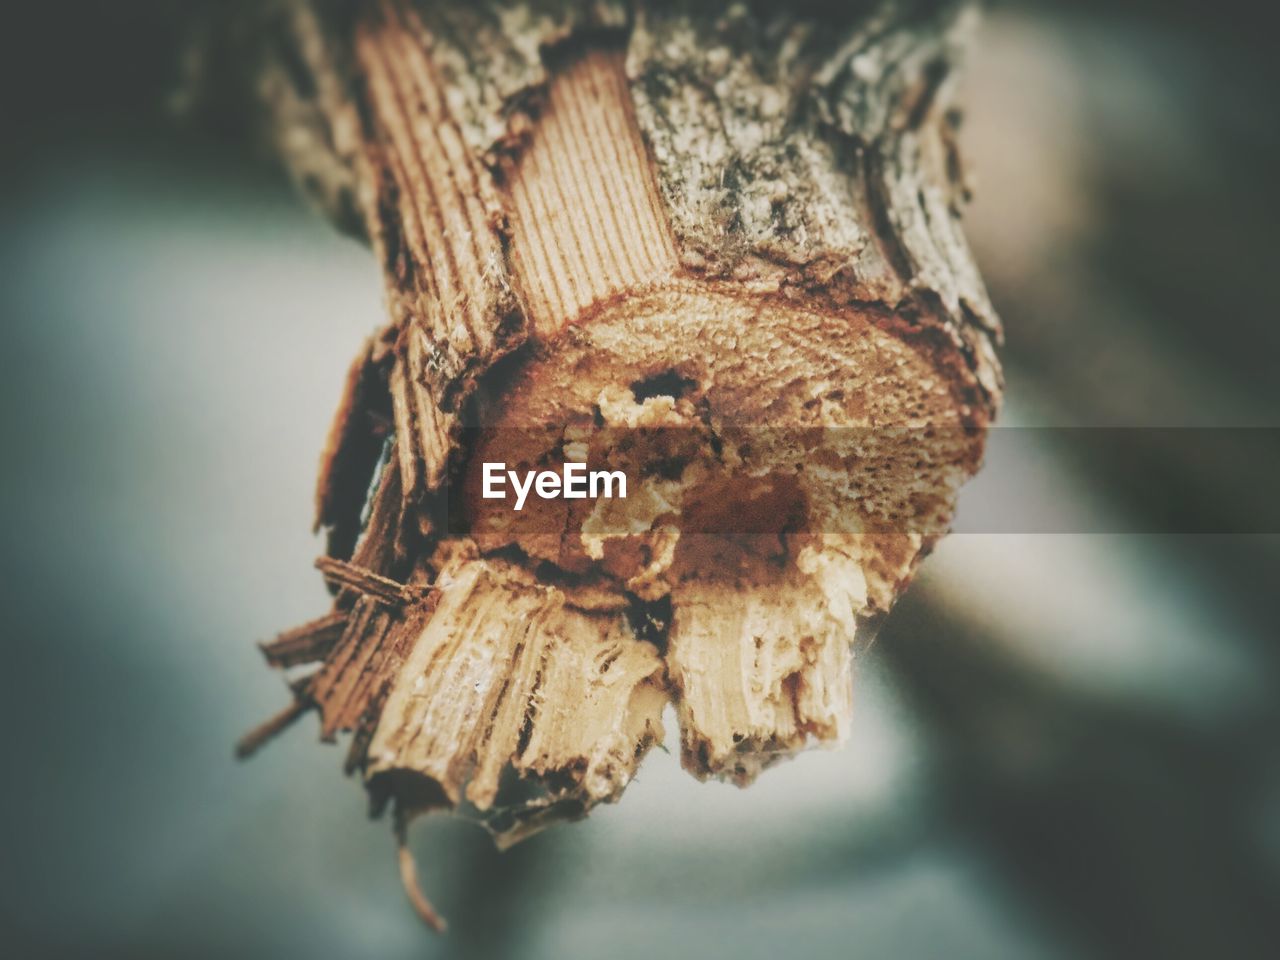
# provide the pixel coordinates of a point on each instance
(593, 218)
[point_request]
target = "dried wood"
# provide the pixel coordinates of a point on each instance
(596, 218)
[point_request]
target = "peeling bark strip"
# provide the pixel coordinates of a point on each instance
(593, 218)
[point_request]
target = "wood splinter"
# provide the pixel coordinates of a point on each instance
(717, 249)
(409, 880)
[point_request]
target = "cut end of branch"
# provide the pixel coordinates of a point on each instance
(676, 273)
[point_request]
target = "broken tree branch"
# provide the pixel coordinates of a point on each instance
(598, 221)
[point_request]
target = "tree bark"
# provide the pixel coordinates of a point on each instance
(595, 219)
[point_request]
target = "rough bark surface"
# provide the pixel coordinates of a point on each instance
(594, 218)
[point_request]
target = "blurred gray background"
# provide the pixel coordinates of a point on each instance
(1064, 744)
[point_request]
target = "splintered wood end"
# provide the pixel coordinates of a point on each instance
(604, 246)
